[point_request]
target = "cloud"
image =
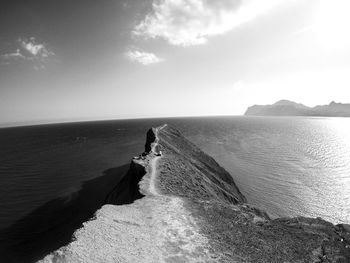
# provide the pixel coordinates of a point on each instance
(145, 58)
(29, 50)
(192, 22)
(35, 49)
(15, 55)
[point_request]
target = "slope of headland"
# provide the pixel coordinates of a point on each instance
(176, 204)
(290, 108)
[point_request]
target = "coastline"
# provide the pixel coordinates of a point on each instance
(196, 213)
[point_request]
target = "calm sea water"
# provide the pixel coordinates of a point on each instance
(288, 166)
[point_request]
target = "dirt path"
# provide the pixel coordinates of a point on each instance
(156, 228)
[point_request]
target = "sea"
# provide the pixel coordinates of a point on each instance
(54, 177)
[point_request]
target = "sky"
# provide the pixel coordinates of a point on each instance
(63, 60)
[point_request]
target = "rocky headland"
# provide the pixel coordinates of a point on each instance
(290, 108)
(176, 204)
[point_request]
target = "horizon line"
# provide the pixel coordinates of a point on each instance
(67, 121)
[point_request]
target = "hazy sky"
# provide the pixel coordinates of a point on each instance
(88, 59)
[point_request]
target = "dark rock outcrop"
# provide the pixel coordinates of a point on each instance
(289, 108)
(150, 137)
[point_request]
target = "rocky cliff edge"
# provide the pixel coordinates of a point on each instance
(176, 204)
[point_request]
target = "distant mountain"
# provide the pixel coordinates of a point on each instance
(290, 108)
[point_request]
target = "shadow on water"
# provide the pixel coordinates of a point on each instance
(52, 225)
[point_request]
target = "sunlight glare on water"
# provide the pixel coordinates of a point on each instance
(337, 164)
(288, 166)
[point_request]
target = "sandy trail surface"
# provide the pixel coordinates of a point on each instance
(155, 228)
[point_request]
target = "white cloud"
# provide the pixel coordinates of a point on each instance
(35, 49)
(191, 22)
(145, 58)
(29, 51)
(32, 48)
